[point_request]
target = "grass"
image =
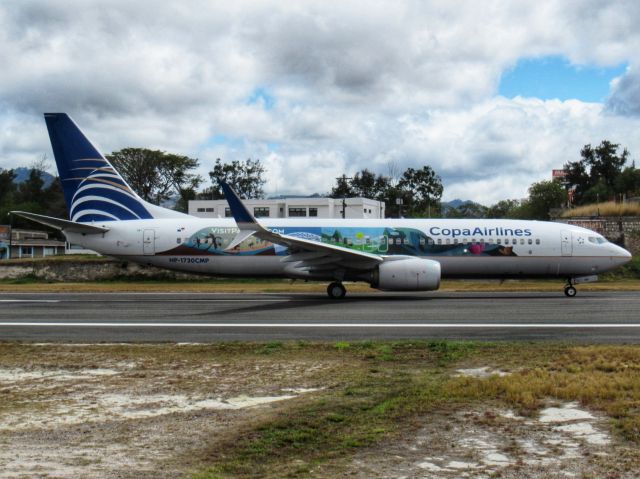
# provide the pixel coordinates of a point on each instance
(389, 388)
(608, 208)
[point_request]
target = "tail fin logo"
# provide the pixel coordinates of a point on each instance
(102, 194)
(93, 189)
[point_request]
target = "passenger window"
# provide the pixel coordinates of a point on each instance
(455, 240)
(521, 240)
(448, 241)
(439, 241)
(514, 241)
(422, 241)
(498, 241)
(530, 241)
(537, 240)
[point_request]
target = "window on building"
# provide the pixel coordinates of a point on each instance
(200, 210)
(297, 212)
(313, 211)
(26, 250)
(227, 213)
(261, 211)
(209, 210)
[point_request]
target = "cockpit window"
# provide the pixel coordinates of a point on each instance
(597, 239)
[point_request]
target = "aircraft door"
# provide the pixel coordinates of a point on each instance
(566, 243)
(149, 242)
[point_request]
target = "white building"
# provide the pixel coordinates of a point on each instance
(293, 207)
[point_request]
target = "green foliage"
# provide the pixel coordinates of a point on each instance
(156, 175)
(600, 174)
(420, 190)
(245, 177)
(504, 209)
(543, 196)
(468, 209)
(31, 195)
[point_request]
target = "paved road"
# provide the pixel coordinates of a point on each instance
(117, 317)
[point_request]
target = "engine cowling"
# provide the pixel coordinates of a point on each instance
(411, 274)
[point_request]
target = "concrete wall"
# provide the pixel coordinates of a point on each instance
(84, 270)
(624, 230)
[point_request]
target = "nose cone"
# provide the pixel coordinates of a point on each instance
(621, 255)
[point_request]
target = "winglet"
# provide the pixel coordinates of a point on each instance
(239, 211)
(246, 222)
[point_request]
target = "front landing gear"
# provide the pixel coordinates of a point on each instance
(336, 291)
(569, 290)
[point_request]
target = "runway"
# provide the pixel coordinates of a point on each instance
(593, 317)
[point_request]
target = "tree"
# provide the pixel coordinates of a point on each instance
(364, 183)
(30, 190)
(468, 209)
(543, 196)
(7, 186)
(342, 189)
(245, 177)
(595, 176)
(156, 175)
(628, 182)
(423, 188)
(504, 209)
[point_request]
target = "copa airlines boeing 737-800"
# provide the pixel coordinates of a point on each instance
(107, 216)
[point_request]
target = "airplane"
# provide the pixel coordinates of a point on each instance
(393, 254)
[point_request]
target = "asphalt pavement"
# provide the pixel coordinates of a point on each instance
(590, 317)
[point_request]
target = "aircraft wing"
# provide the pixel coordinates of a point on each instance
(305, 254)
(60, 224)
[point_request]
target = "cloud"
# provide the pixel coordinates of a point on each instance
(625, 94)
(350, 84)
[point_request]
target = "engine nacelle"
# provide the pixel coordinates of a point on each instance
(411, 274)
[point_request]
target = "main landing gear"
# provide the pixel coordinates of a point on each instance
(569, 290)
(336, 291)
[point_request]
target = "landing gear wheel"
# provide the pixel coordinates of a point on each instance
(570, 291)
(336, 291)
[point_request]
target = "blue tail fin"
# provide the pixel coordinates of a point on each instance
(93, 189)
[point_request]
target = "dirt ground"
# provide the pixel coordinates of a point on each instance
(145, 411)
(100, 415)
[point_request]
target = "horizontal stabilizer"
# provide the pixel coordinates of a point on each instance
(60, 224)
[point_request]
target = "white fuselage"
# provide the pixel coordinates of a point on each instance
(464, 248)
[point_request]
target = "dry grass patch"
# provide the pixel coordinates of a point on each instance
(608, 208)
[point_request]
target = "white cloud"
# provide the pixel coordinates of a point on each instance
(356, 84)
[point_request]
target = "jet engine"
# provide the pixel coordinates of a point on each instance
(410, 274)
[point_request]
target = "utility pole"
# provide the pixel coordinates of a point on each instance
(344, 178)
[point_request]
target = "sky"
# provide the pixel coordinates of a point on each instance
(492, 95)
